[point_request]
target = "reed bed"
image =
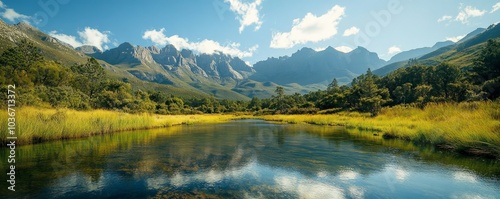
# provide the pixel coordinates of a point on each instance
(472, 127)
(34, 125)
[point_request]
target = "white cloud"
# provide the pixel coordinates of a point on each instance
(311, 28)
(455, 39)
(468, 12)
(247, 13)
(69, 39)
(2, 5)
(319, 49)
(465, 176)
(444, 18)
(88, 36)
(307, 188)
(344, 49)
(94, 37)
(12, 15)
(393, 50)
(351, 31)
(495, 7)
(206, 46)
(348, 175)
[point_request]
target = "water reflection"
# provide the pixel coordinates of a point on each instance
(249, 159)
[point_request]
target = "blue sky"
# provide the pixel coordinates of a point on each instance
(256, 29)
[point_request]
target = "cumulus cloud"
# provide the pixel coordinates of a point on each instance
(206, 46)
(351, 31)
(12, 15)
(89, 36)
(495, 7)
(468, 12)
(393, 50)
(69, 39)
(306, 188)
(247, 13)
(94, 37)
(445, 18)
(456, 38)
(344, 49)
(319, 49)
(311, 28)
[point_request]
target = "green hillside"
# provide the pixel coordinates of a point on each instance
(462, 54)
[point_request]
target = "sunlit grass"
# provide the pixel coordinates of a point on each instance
(466, 127)
(38, 125)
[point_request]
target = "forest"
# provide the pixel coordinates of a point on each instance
(49, 84)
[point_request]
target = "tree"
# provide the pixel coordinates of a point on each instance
(404, 93)
(16, 63)
(487, 66)
(333, 87)
(50, 73)
(255, 104)
(422, 94)
(371, 96)
(486, 71)
(21, 57)
(114, 95)
(443, 76)
(89, 77)
(279, 100)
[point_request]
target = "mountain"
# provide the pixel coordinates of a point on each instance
(308, 67)
(418, 52)
(215, 66)
(10, 34)
(86, 49)
(462, 54)
(186, 74)
(472, 34)
(54, 49)
(214, 74)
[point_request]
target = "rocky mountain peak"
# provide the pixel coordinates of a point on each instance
(154, 49)
(88, 49)
(187, 54)
(125, 46)
(25, 26)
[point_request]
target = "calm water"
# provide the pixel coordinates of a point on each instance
(247, 159)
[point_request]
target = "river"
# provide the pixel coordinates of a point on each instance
(247, 159)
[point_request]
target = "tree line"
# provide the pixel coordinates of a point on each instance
(47, 83)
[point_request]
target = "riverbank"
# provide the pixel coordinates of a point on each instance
(468, 128)
(35, 125)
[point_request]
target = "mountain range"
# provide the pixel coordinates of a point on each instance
(187, 74)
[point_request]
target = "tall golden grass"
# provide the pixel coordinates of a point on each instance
(472, 127)
(35, 125)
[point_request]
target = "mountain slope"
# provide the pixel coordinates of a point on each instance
(53, 49)
(417, 53)
(462, 54)
(214, 74)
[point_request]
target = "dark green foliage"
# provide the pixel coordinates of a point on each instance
(278, 101)
(89, 77)
(486, 70)
(255, 104)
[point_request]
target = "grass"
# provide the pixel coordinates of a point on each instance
(34, 125)
(471, 128)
